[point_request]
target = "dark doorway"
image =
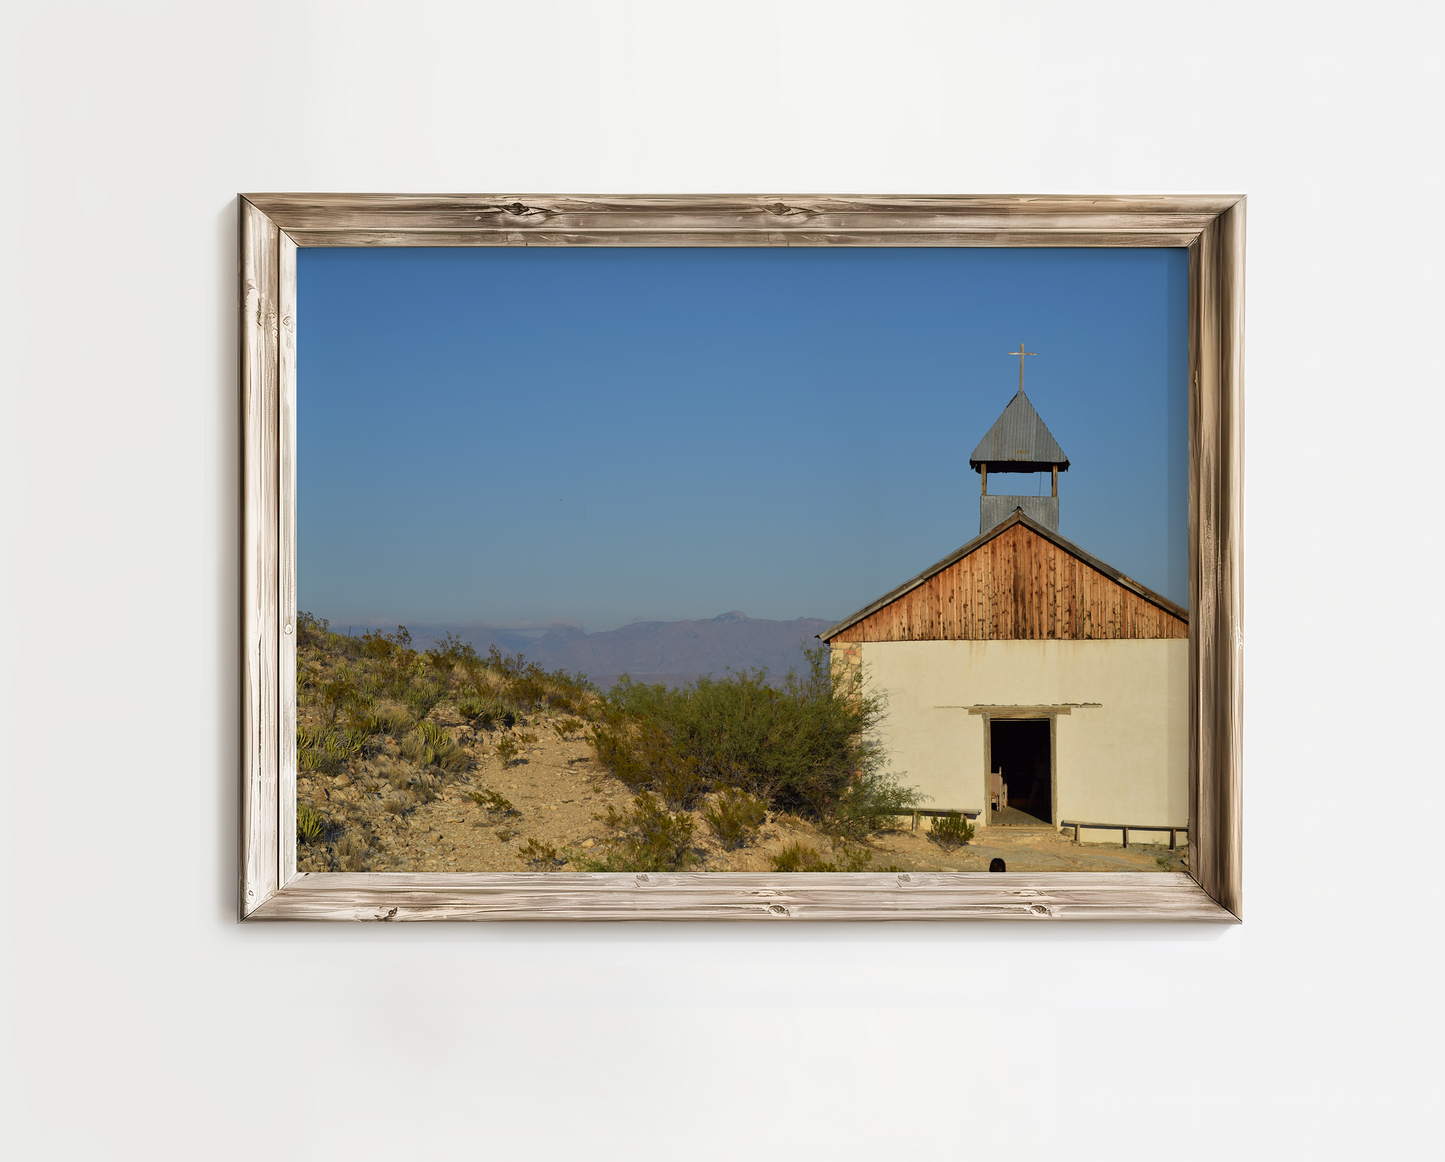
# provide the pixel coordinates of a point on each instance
(1019, 751)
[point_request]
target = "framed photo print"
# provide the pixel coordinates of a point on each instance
(742, 557)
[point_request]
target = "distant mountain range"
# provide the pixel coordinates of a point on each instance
(672, 652)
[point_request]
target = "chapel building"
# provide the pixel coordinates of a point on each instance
(1028, 682)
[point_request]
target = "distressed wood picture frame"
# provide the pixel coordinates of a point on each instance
(274, 226)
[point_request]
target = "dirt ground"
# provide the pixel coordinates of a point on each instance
(558, 790)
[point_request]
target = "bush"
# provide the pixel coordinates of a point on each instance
(805, 747)
(310, 823)
(566, 728)
(734, 817)
(649, 838)
(496, 806)
(540, 856)
(392, 720)
(529, 686)
(950, 831)
(430, 745)
(326, 750)
(484, 711)
(316, 760)
(422, 697)
(507, 750)
(869, 803)
(798, 857)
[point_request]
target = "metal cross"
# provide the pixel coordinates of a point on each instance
(1021, 353)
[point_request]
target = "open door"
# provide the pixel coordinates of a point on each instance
(1022, 778)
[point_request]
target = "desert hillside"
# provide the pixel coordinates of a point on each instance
(443, 760)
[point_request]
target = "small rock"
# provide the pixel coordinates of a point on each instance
(589, 844)
(343, 781)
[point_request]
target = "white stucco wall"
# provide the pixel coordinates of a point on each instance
(1124, 761)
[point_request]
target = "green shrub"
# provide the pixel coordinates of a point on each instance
(805, 747)
(679, 782)
(317, 760)
(430, 745)
(950, 831)
(326, 750)
(453, 653)
(870, 803)
(798, 857)
(533, 688)
(422, 697)
(310, 631)
(734, 817)
(507, 750)
(649, 838)
(310, 823)
(540, 856)
(496, 805)
(856, 859)
(484, 712)
(379, 684)
(620, 754)
(392, 720)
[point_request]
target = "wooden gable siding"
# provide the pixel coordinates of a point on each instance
(1017, 586)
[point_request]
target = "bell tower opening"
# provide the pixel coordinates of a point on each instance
(1018, 442)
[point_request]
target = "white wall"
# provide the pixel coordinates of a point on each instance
(142, 1021)
(1120, 757)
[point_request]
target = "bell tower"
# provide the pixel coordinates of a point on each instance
(1019, 441)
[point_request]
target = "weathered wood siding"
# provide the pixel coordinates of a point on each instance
(1017, 586)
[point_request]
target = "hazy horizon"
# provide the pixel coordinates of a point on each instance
(517, 436)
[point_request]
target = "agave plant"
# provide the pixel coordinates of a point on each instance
(310, 823)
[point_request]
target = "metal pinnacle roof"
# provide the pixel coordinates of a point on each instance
(1019, 442)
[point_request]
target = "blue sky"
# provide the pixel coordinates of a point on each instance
(516, 435)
